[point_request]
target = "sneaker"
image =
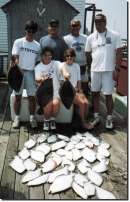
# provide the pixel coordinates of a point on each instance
(109, 123)
(53, 125)
(33, 123)
(96, 120)
(46, 125)
(16, 123)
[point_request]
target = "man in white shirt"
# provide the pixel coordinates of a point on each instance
(77, 41)
(105, 47)
(26, 51)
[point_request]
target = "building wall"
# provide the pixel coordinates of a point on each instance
(3, 29)
(80, 6)
(22, 10)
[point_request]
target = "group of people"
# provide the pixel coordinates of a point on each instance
(67, 58)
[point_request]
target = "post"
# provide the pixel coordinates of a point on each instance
(93, 18)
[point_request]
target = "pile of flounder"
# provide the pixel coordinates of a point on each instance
(77, 162)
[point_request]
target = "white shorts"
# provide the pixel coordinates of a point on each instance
(102, 82)
(28, 83)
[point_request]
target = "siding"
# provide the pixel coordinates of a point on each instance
(80, 6)
(3, 29)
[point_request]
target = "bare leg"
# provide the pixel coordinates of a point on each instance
(32, 104)
(109, 104)
(48, 110)
(96, 97)
(17, 104)
(56, 107)
(81, 101)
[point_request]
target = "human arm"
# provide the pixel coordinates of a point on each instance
(15, 53)
(88, 50)
(119, 55)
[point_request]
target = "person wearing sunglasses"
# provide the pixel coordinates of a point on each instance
(44, 71)
(54, 41)
(104, 46)
(26, 52)
(77, 41)
(71, 71)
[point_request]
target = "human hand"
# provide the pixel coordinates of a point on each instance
(44, 77)
(115, 75)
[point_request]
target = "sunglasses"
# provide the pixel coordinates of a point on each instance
(71, 56)
(47, 55)
(31, 31)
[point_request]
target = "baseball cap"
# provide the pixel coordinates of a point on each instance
(100, 17)
(54, 23)
(74, 23)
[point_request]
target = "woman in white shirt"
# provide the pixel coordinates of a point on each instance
(45, 70)
(71, 70)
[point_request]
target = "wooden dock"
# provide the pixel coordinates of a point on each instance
(12, 141)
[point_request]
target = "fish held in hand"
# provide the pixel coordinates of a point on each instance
(67, 93)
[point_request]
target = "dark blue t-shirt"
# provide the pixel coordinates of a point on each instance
(57, 44)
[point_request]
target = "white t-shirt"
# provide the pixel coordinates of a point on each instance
(73, 70)
(28, 53)
(78, 43)
(46, 70)
(103, 47)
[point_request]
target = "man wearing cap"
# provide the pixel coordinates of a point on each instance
(53, 40)
(26, 52)
(77, 41)
(105, 47)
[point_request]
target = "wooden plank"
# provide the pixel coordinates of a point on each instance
(4, 101)
(21, 190)
(68, 195)
(8, 177)
(36, 193)
(49, 196)
(3, 143)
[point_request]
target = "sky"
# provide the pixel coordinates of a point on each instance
(116, 13)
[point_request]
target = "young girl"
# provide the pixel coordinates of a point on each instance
(71, 70)
(43, 71)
